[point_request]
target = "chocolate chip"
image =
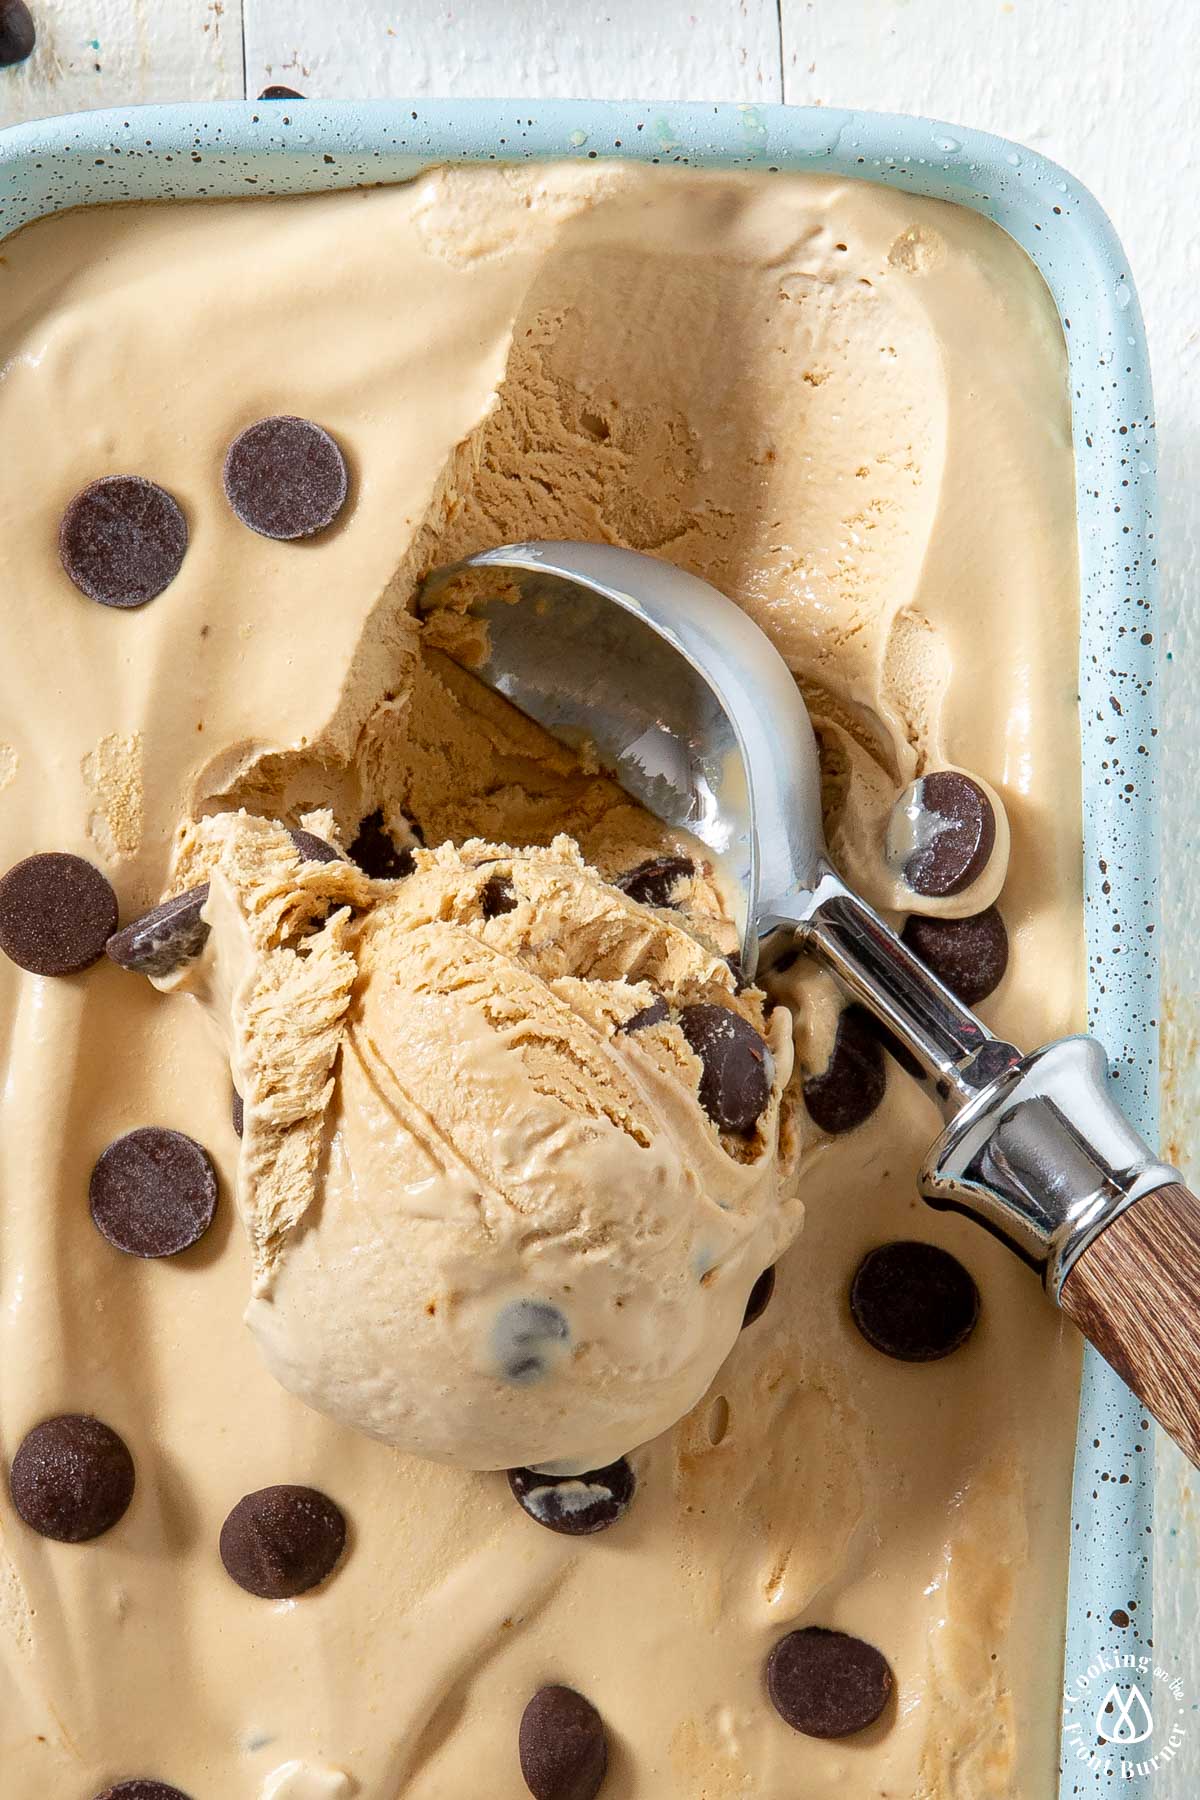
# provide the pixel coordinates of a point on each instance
(576, 1505)
(313, 848)
(237, 1110)
(653, 882)
(852, 1084)
(496, 896)
(562, 1745)
(735, 1085)
(17, 33)
(740, 979)
(376, 853)
(153, 1192)
(277, 92)
(827, 1684)
(969, 955)
(56, 913)
(913, 1301)
(760, 1297)
(165, 938)
(281, 1541)
(285, 478)
(528, 1339)
(72, 1478)
(654, 1014)
(122, 540)
(141, 1788)
(955, 829)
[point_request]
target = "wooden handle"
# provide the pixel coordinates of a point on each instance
(1135, 1294)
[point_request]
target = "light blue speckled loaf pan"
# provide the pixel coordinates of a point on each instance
(289, 147)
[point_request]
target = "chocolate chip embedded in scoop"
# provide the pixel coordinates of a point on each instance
(56, 913)
(852, 1084)
(562, 1745)
(122, 540)
(654, 1014)
(237, 1111)
(140, 1787)
(313, 848)
(760, 1297)
(735, 1085)
(827, 1684)
(72, 1478)
(913, 1301)
(280, 1541)
(654, 881)
(165, 938)
(286, 478)
(575, 1505)
(952, 822)
(969, 955)
(18, 34)
(277, 92)
(377, 854)
(153, 1192)
(496, 896)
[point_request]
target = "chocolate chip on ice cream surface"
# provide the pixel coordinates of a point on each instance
(18, 35)
(280, 1541)
(141, 1787)
(56, 913)
(562, 1745)
(760, 1297)
(653, 882)
(122, 540)
(826, 1683)
(278, 92)
(496, 896)
(72, 1478)
(575, 1505)
(313, 848)
(286, 478)
(162, 940)
(153, 1192)
(942, 833)
(376, 852)
(969, 955)
(655, 1014)
(735, 1085)
(528, 1339)
(913, 1301)
(852, 1084)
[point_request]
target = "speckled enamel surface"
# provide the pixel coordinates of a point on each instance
(288, 147)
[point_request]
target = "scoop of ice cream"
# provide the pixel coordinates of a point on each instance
(511, 1153)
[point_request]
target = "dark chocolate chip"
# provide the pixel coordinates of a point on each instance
(237, 1111)
(913, 1301)
(528, 1339)
(140, 1787)
(562, 1745)
(654, 1014)
(153, 1192)
(17, 33)
(56, 913)
(122, 540)
(285, 478)
(760, 1297)
(576, 1505)
(961, 828)
(72, 1478)
(281, 1541)
(496, 896)
(826, 1683)
(741, 980)
(165, 938)
(376, 853)
(654, 881)
(852, 1084)
(313, 848)
(735, 1085)
(277, 92)
(969, 955)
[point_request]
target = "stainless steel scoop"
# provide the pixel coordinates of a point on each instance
(690, 707)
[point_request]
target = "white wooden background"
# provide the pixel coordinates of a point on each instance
(1108, 87)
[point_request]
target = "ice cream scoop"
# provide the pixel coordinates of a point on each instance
(693, 710)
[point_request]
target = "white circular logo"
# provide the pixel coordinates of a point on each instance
(1123, 1715)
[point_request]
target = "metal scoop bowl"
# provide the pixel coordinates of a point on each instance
(690, 707)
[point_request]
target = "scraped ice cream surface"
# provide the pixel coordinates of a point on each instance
(487, 1378)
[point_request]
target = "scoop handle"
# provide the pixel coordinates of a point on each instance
(1135, 1294)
